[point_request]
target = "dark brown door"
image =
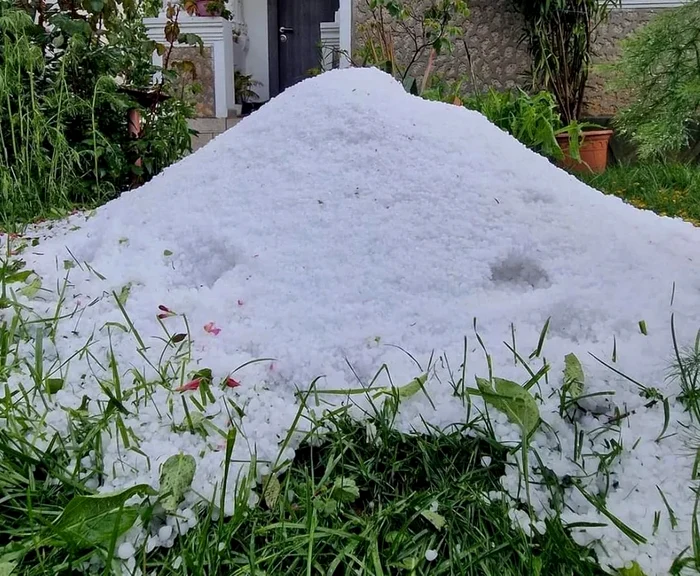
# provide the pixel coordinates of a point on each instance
(298, 34)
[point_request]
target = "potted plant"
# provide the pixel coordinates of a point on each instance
(560, 35)
(244, 91)
(215, 8)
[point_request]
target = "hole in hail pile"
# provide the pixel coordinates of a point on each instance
(519, 270)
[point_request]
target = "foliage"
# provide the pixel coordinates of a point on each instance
(533, 120)
(64, 138)
(660, 70)
(560, 35)
(430, 30)
(244, 87)
(669, 189)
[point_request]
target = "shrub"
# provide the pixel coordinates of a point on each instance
(533, 120)
(660, 70)
(430, 30)
(560, 36)
(64, 138)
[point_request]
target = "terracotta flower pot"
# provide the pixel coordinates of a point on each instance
(593, 150)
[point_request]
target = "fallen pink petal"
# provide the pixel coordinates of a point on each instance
(211, 328)
(231, 383)
(191, 385)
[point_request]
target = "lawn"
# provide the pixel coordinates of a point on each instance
(667, 189)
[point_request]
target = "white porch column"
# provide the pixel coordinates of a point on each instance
(216, 33)
(345, 22)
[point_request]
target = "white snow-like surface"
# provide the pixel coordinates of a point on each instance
(347, 216)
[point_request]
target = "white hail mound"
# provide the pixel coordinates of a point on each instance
(346, 216)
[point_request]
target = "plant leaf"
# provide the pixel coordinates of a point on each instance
(21, 276)
(92, 520)
(634, 570)
(176, 477)
(413, 387)
(514, 401)
(7, 568)
(32, 288)
(345, 490)
(437, 520)
(53, 385)
(271, 491)
(573, 375)
(123, 295)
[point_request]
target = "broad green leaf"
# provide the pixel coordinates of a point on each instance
(634, 570)
(330, 506)
(408, 563)
(437, 520)
(573, 375)
(53, 385)
(7, 568)
(19, 276)
(345, 490)
(32, 288)
(176, 477)
(123, 295)
(271, 490)
(513, 400)
(93, 520)
(413, 387)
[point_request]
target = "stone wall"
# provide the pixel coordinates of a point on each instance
(209, 128)
(199, 70)
(492, 46)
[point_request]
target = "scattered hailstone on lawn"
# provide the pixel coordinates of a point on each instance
(431, 555)
(346, 210)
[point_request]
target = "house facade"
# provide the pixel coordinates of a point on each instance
(280, 42)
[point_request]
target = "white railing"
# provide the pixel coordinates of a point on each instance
(330, 44)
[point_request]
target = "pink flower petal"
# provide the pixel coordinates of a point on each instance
(231, 383)
(191, 385)
(211, 328)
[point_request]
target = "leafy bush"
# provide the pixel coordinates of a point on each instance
(660, 70)
(533, 120)
(64, 137)
(560, 36)
(431, 29)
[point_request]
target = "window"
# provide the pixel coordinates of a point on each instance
(640, 4)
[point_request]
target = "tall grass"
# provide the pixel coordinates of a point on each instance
(38, 166)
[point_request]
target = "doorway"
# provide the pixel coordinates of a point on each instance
(294, 28)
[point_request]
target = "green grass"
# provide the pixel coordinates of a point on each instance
(366, 500)
(667, 189)
(359, 505)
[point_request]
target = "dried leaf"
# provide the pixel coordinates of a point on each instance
(271, 491)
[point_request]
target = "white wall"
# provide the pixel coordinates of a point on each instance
(256, 60)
